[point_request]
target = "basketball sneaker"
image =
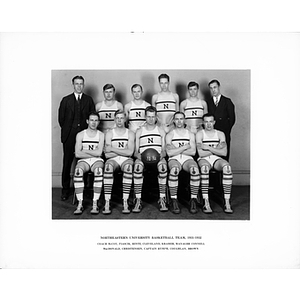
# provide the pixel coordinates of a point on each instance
(206, 208)
(193, 206)
(79, 209)
(174, 206)
(227, 208)
(95, 209)
(162, 204)
(106, 209)
(138, 205)
(125, 207)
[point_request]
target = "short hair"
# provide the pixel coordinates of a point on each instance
(150, 109)
(118, 112)
(177, 113)
(193, 83)
(77, 77)
(136, 85)
(207, 115)
(163, 76)
(93, 113)
(108, 86)
(214, 81)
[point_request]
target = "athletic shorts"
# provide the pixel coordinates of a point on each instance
(120, 159)
(181, 158)
(90, 161)
(211, 159)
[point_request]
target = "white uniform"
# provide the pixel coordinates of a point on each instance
(137, 115)
(213, 141)
(120, 142)
(193, 114)
(106, 114)
(166, 107)
(179, 141)
(90, 143)
(150, 139)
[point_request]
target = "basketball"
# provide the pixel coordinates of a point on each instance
(150, 157)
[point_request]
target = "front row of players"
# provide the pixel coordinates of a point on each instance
(179, 145)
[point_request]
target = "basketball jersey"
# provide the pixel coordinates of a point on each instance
(211, 141)
(150, 139)
(193, 111)
(180, 140)
(90, 143)
(136, 115)
(119, 141)
(107, 113)
(165, 107)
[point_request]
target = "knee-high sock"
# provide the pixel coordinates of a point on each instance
(138, 180)
(204, 181)
(162, 180)
(98, 181)
(173, 182)
(108, 181)
(227, 182)
(194, 181)
(127, 181)
(79, 183)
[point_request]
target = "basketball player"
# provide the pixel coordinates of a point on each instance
(135, 109)
(180, 145)
(211, 144)
(194, 108)
(88, 148)
(166, 103)
(150, 136)
(119, 146)
(107, 108)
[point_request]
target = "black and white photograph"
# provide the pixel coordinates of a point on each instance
(175, 184)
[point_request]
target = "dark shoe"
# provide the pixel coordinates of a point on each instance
(174, 206)
(64, 195)
(193, 206)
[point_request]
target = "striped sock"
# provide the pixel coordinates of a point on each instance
(98, 181)
(108, 181)
(78, 184)
(194, 181)
(138, 179)
(204, 181)
(127, 181)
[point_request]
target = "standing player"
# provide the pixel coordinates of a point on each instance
(135, 109)
(166, 103)
(107, 108)
(194, 108)
(119, 146)
(181, 148)
(150, 136)
(211, 144)
(88, 148)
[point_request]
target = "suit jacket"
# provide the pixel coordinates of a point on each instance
(66, 113)
(224, 114)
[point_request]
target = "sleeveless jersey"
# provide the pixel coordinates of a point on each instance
(150, 139)
(90, 143)
(193, 111)
(119, 141)
(106, 113)
(165, 107)
(211, 141)
(180, 140)
(136, 115)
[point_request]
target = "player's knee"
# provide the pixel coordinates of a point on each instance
(194, 170)
(227, 169)
(78, 172)
(138, 168)
(98, 171)
(174, 171)
(109, 168)
(128, 168)
(204, 169)
(162, 168)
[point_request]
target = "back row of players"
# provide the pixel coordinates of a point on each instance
(161, 128)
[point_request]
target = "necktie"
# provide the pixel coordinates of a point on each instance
(217, 102)
(78, 98)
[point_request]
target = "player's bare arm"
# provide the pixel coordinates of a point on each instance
(171, 149)
(163, 142)
(202, 152)
(137, 154)
(78, 147)
(182, 106)
(191, 150)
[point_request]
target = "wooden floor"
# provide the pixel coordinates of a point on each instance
(240, 201)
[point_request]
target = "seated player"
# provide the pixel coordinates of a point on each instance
(211, 144)
(119, 147)
(181, 148)
(166, 103)
(135, 109)
(150, 136)
(107, 108)
(88, 148)
(194, 108)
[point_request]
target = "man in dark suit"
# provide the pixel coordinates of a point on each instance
(72, 115)
(223, 110)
